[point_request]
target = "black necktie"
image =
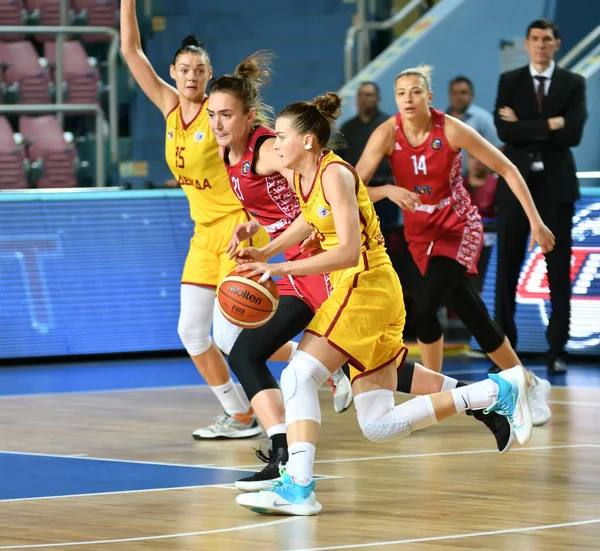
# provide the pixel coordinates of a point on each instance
(540, 93)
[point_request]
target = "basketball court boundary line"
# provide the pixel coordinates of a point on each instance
(454, 536)
(438, 454)
(150, 538)
(116, 492)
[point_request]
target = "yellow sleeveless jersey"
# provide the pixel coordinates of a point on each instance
(317, 212)
(192, 154)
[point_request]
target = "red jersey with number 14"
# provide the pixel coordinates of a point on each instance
(445, 223)
(269, 199)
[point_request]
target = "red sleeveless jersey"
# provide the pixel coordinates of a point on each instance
(269, 199)
(446, 218)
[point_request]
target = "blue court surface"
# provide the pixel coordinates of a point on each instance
(25, 476)
(127, 374)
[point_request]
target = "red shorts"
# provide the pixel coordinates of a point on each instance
(463, 246)
(312, 289)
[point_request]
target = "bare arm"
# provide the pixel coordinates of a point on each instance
(380, 143)
(461, 136)
(297, 232)
(269, 162)
(339, 185)
(165, 97)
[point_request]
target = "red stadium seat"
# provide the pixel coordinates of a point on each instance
(47, 142)
(46, 12)
(26, 80)
(83, 81)
(98, 13)
(12, 159)
(12, 12)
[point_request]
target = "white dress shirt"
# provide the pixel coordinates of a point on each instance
(538, 166)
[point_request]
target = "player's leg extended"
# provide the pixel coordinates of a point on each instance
(310, 367)
(470, 308)
(248, 360)
(195, 319)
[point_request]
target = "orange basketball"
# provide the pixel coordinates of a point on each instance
(245, 302)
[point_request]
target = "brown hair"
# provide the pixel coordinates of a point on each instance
(190, 44)
(249, 76)
(316, 117)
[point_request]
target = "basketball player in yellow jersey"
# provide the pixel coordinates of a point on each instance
(361, 322)
(192, 154)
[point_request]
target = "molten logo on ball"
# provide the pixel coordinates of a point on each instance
(244, 293)
(246, 302)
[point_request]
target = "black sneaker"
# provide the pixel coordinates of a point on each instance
(499, 425)
(265, 479)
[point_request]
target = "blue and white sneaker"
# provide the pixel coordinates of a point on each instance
(285, 498)
(513, 401)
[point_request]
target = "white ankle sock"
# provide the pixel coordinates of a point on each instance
(479, 395)
(231, 400)
(301, 456)
(337, 375)
(448, 384)
(276, 429)
(294, 348)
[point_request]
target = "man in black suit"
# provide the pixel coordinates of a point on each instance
(540, 114)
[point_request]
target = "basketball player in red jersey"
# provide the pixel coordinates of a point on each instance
(237, 118)
(443, 229)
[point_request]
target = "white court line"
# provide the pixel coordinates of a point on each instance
(150, 538)
(437, 454)
(105, 391)
(584, 404)
(454, 537)
(116, 492)
(87, 458)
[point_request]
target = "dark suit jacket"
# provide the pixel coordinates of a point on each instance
(531, 135)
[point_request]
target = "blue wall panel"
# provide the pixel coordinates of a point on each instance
(91, 276)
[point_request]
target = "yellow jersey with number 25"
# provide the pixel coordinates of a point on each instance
(192, 154)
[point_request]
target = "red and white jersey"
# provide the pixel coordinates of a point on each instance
(433, 171)
(269, 199)
(446, 220)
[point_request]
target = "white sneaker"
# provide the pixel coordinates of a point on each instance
(285, 498)
(512, 401)
(238, 425)
(342, 391)
(538, 394)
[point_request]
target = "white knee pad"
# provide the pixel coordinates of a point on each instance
(300, 381)
(195, 318)
(224, 332)
(380, 421)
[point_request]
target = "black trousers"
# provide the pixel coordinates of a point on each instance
(513, 232)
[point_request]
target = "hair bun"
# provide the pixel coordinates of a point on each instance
(190, 40)
(329, 105)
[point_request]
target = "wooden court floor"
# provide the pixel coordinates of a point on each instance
(441, 488)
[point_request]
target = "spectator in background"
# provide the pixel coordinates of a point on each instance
(480, 182)
(356, 133)
(461, 96)
(540, 114)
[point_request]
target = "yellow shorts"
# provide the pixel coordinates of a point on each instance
(364, 319)
(207, 263)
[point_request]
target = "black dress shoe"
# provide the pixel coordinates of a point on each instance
(556, 365)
